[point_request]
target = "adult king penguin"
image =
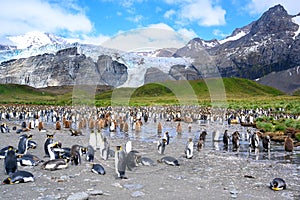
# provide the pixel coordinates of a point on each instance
(10, 161)
(161, 145)
(189, 148)
(120, 162)
(23, 143)
(48, 141)
(19, 177)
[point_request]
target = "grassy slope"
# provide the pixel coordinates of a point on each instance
(238, 93)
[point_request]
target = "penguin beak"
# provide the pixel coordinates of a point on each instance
(276, 188)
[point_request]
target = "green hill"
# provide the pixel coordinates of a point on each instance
(235, 92)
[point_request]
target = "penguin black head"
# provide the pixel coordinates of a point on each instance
(7, 181)
(119, 148)
(50, 135)
(10, 148)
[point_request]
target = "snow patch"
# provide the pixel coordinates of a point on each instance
(232, 38)
(297, 21)
(35, 39)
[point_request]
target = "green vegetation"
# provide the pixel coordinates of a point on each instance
(269, 124)
(233, 93)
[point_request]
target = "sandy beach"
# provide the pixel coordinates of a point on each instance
(210, 174)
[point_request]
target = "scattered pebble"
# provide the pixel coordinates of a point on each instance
(133, 186)
(137, 194)
(96, 192)
(78, 196)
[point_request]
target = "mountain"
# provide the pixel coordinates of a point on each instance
(266, 46)
(35, 39)
(270, 44)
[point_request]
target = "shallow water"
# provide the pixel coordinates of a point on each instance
(149, 133)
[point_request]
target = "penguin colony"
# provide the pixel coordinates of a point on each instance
(88, 121)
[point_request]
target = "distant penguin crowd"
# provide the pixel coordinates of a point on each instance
(89, 121)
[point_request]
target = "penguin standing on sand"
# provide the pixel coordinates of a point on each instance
(161, 146)
(49, 140)
(254, 142)
(120, 162)
(75, 154)
(235, 141)
(189, 148)
(23, 143)
(19, 177)
(90, 153)
(10, 161)
(266, 142)
(167, 137)
(131, 156)
(226, 140)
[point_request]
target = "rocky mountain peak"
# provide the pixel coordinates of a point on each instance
(273, 21)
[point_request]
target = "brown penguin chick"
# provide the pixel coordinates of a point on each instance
(57, 126)
(67, 124)
(235, 141)
(40, 126)
(288, 144)
(190, 127)
(200, 145)
(126, 127)
(179, 128)
(203, 135)
(91, 123)
(137, 126)
(75, 155)
(159, 127)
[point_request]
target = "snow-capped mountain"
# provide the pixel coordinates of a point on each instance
(35, 39)
(269, 44)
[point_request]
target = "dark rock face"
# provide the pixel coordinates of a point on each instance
(111, 72)
(181, 72)
(154, 74)
(66, 67)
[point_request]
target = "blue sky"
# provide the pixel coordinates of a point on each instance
(94, 21)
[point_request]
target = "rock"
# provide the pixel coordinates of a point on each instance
(95, 192)
(78, 196)
(137, 194)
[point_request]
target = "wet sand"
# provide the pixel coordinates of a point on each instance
(210, 174)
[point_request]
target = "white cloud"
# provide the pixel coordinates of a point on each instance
(86, 39)
(169, 14)
(162, 26)
(189, 33)
(135, 19)
(19, 17)
(203, 12)
(219, 33)
(154, 36)
(258, 6)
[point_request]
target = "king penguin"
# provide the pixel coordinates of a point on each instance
(49, 140)
(10, 161)
(23, 143)
(277, 184)
(19, 177)
(161, 145)
(90, 153)
(98, 169)
(189, 148)
(120, 162)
